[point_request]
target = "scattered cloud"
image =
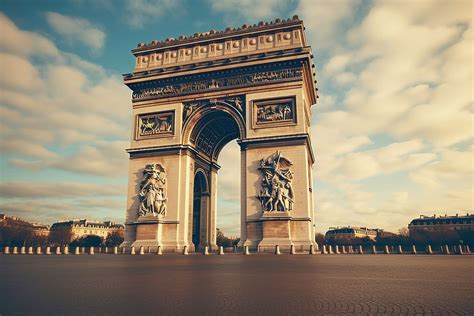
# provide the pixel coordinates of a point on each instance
(24, 43)
(250, 10)
(142, 12)
(76, 29)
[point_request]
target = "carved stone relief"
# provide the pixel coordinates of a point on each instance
(237, 102)
(155, 125)
(211, 84)
(276, 194)
(152, 194)
(274, 112)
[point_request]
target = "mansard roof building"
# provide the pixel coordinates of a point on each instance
(83, 227)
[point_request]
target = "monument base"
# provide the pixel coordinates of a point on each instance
(275, 231)
(152, 231)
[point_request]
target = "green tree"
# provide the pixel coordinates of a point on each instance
(114, 238)
(88, 241)
(60, 236)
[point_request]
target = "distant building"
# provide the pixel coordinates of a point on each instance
(351, 232)
(40, 229)
(83, 227)
(441, 224)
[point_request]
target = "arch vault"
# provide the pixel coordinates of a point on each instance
(193, 95)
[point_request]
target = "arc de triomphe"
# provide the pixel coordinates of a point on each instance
(193, 95)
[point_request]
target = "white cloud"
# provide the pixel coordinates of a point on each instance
(325, 20)
(405, 74)
(24, 43)
(73, 29)
(249, 9)
(46, 190)
(142, 12)
(63, 104)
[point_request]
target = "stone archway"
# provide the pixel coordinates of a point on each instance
(194, 95)
(200, 208)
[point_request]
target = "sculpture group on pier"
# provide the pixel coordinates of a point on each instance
(153, 191)
(276, 194)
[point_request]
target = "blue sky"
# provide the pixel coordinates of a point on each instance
(392, 131)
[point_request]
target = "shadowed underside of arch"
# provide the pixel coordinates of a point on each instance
(213, 131)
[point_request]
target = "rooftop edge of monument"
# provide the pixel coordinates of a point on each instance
(213, 34)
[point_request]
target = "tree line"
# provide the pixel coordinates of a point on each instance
(422, 238)
(20, 233)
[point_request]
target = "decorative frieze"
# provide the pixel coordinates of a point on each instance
(274, 112)
(241, 80)
(152, 125)
(276, 194)
(236, 102)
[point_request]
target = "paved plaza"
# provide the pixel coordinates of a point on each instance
(261, 284)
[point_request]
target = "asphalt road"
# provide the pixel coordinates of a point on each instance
(234, 284)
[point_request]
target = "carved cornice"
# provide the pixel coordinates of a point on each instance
(242, 41)
(213, 34)
(278, 141)
(218, 80)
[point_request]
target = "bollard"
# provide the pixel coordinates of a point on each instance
(99, 249)
(148, 250)
(91, 250)
(30, 250)
(124, 250)
(159, 251)
(48, 250)
(361, 250)
(292, 250)
(330, 250)
(23, 250)
(246, 250)
(429, 250)
(83, 250)
(351, 249)
(38, 250)
(66, 250)
(77, 251)
(446, 250)
(132, 250)
(115, 250)
(344, 249)
(221, 250)
(58, 250)
(311, 249)
(413, 249)
(206, 251)
(142, 250)
(106, 250)
(374, 250)
(386, 250)
(468, 250)
(460, 252)
(185, 250)
(235, 248)
(336, 249)
(277, 250)
(15, 250)
(400, 250)
(6, 250)
(324, 250)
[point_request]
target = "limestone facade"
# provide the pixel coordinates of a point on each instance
(193, 95)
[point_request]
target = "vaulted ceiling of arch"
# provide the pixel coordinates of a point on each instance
(213, 133)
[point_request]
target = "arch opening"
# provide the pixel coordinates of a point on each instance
(200, 189)
(212, 129)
